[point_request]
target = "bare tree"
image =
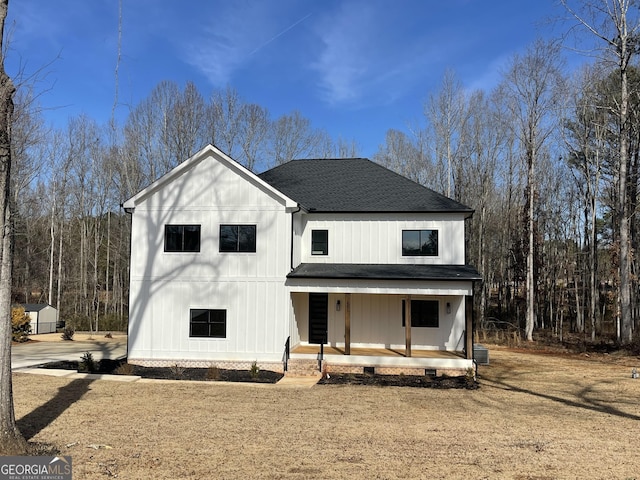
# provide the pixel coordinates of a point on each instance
(292, 137)
(482, 153)
(531, 86)
(11, 440)
(585, 132)
(402, 154)
(254, 129)
(446, 112)
(616, 24)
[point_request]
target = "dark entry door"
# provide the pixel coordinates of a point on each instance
(318, 310)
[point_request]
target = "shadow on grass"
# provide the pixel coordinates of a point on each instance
(44, 415)
(504, 381)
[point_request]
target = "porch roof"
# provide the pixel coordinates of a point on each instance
(385, 272)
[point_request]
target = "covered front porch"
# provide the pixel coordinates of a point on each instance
(383, 318)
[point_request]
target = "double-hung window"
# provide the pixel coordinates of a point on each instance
(420, 243)
(182, 238)
(208, 323)
(319, 242)
(237, 238)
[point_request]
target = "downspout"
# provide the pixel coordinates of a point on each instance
(292, 214)
(129, 211)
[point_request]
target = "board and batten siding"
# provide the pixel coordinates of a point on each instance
(249, 286)
(373, 238)
(376, 322)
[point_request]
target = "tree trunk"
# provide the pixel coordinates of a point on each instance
(11, 440)
(531, 294)
(626, 324)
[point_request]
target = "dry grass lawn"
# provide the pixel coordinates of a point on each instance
(534, 417)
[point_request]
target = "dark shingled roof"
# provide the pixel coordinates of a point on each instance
(385, 272)
(354, 185)
(34, 307)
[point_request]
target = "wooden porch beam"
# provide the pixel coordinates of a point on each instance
(347, 324)
(468, 328)
(407, 326)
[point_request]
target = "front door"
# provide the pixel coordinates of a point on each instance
(318, 311)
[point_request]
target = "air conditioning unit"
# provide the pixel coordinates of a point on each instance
(481, 354)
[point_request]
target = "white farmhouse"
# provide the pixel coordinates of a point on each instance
(342, 263)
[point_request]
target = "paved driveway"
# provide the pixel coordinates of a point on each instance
(36, 353)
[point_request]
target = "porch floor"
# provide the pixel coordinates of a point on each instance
(376, 352)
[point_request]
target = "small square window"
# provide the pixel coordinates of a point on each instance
(319, 242)
(424, 313)
(420, 243)
(182, 238)
(237, 238)
(208, 323)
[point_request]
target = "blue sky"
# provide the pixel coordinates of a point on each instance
(355, 68)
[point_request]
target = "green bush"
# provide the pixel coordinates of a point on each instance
(87, 363)
(68, 333)
(177, 371)
(20, 325)
(254, 370)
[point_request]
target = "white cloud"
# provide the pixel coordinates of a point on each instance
(366, 55)
(235, 32)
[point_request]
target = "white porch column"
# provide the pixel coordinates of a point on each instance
(407, 326)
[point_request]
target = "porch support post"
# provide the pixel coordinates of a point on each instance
(468, 328)
(347, 324)
(407, 326)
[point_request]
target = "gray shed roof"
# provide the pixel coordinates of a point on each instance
(354, 185)
(385, 272)
(34, 307)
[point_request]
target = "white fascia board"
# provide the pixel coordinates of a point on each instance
(373, 287)
(130, 204)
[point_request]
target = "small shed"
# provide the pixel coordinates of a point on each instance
(43, 316)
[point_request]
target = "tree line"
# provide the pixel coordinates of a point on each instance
(548, 159)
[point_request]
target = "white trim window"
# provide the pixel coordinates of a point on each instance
(206, 323)
(420, 243)
(182, 238)
(319, 242)
(237, 238)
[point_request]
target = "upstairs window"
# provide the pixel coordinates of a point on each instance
(208, 323)
(319, 242)
(182, 238)
(420, 243)
(424, 313)
(237, 238)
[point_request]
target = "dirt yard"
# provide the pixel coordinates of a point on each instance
(535, 416)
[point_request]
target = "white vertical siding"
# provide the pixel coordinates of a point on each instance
(377, 238)
(249, 286)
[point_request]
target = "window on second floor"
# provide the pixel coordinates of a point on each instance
(237, 238)
(319, 242)
(421, 243)
(182, 238)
